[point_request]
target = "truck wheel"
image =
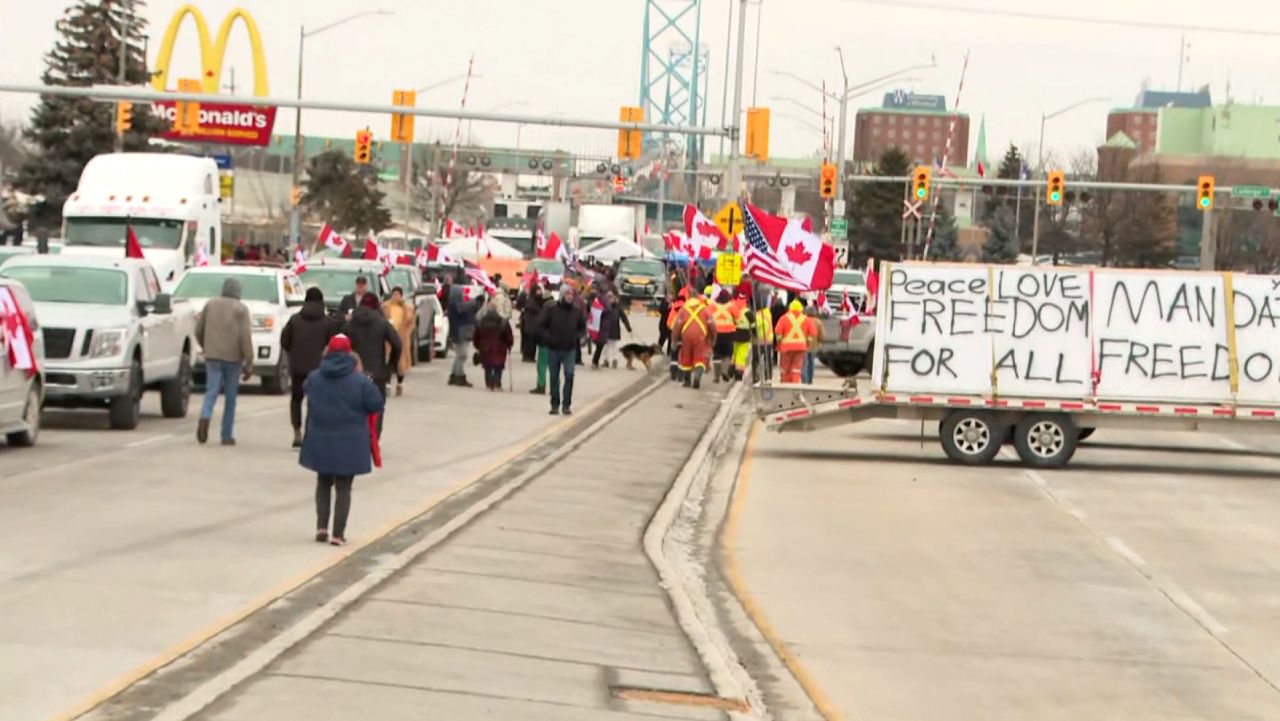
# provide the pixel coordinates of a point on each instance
(278, 383)
(1084, 433)
(175, 394)
(415, 347)
(427, 353)
(30, 414)
(125, 411)
(971, 437)
(1046, 440)
(868, 360)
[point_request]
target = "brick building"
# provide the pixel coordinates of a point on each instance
(918, 124)
(1141, 123)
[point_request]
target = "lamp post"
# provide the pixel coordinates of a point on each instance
(303, 34)
(1035, 223)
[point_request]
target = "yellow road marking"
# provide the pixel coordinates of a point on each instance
(682, 698)
(174, 653)
(728, 537)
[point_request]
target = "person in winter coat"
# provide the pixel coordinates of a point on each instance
(305, 338)
(337, 444)
(612, 320)
(562, 326)
(370, 334)
(223, 332)
(351, 300)
(493, 341)
(542, 354)
(403, 317)
(530, 307)
(462, 327)
(664, 332)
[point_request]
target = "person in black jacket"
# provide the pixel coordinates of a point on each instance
(305, 338)
(351, 300)
(561, 328)
(370, 333)
(612, 320)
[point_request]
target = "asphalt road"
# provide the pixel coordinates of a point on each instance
(1141, 582)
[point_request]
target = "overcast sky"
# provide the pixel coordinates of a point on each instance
(581, 58)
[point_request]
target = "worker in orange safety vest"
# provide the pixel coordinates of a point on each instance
(725, 318)
(794, 332)
(674, 345)
(697, 332)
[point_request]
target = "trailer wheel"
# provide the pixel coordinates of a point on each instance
(971, 437)
(1046, 440)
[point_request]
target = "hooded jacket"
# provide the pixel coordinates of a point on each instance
(339, 401)
(370, 334)
(561, 326)
(306, 336)
(223, 330)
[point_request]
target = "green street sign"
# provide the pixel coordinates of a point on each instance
(1251, 191)
(839, 228)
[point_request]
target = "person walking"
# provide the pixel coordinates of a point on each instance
(370, 334)
(351, 300)
(722, 315)
(462, 327)
(493, 340)
(612, 319)
(697, 332)
(562, 327)
(305, 338)
(664, 331)
(793, 331)
(668, 322)
(530, 307)
(337, 445)
(813, 337)
(223, 332)
(403, 317)
(542, 353)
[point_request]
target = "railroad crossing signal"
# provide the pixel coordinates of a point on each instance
(1204, 192)
(1054, 189)
(827, 185)
(758, 134)
(186, 113)
(920, 182)
(402, 125)
(630, 141)
(364, 146)
(124, 117)
(619, 183)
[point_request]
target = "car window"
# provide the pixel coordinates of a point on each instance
(293, 291)
(71, 284)
(209, 285)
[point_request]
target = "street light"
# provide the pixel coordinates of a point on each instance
(442, 83)
(294, 229)
(1035, 223)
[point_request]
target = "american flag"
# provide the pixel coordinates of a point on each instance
(759, 260)
(477, 275)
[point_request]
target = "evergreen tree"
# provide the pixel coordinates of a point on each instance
(1002, 244)
(67, 132)
(875, 215)
(346, 195)
(1011, 164)
(945, 234)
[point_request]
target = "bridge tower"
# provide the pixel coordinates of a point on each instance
(673, 70)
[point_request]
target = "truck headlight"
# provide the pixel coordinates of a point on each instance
(107, 343)
(264, 322)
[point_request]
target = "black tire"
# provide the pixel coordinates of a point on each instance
(444, 353)
(175, 394)
(428, 353)
(971, 437)
(868, 360)
(31, 413)
(1046, 440)
(844, 368)
(125, 411)
(278, 383)
(1084, 433)
(415, 347)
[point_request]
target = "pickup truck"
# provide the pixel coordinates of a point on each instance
(109, 334)
(846, 350)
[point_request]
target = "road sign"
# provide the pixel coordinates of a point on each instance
(839, 228)
(227, 185)
(1250, 191)
(223, 160)
(729, 269)
(837, 207)
(911, 209)
(729, 219)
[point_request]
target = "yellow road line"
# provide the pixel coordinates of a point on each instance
(172, 654)
(728, 537)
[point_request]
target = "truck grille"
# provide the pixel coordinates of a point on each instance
(57, 342)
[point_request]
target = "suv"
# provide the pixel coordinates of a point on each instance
(409, 279)
(846, 351)
(336, 277)
(642, 279)
(109, 334)
(21, 395)
(273, 294)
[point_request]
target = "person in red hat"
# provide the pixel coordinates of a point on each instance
(338, 444)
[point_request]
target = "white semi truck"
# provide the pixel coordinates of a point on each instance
(1044, 356)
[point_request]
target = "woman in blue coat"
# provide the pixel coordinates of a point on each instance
(337, 443)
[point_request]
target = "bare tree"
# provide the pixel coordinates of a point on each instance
(464, 197)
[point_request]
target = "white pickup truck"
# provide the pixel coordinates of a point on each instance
(1043, 357)
(109, 334)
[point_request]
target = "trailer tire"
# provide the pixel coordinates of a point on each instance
(1046, 440)
(1084, 433)
(971, 437)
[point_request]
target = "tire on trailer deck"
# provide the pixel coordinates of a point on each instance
(1046, 440)
(971, 437)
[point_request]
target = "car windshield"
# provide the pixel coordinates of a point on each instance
(333, 282)
(651, 268)
(7, 252)
(69, 284)
(402, 278)
(110, 232)
(209, 285)
(849, 277)
(546, 266)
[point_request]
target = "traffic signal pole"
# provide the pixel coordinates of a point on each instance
(735, 124)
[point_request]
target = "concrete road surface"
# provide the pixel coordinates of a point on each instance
(1142, 582)
(127, 547)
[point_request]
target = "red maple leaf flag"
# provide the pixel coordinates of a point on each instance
(784, 252)
(371, 249)
(797, 254)
(132, 248)
(704, 235)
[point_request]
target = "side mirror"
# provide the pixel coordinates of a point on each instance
(163, 304)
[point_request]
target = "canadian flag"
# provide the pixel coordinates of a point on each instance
(453, 230)
(873, 286)
(530, 281)
(202, 257)
(593, 322)
(552, 247)
(372, 251)
(436, 255)
(704, 235)
(329, 238)
(132, 248)
(823, 305)
(673, 242)
(848, 317)
(477, 274)
(16, 334)
(480, 229)
(785, 253)
(422, 257)
(299, 260)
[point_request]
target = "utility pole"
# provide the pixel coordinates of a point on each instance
(295, 229)
(840, 136)
(1208, 242)
(127, 9)
(724, 95)
(735, 127)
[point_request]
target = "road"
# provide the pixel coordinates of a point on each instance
(128, 548)
(1139, 583)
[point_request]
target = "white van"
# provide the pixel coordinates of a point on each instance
(21, 395)
(172, 202)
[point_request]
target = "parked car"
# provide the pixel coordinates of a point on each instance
(846, 350)
(109, 334)
(21, 394)
(409, 279)
(273, 294)
(642, 279)
(336, 277)
(440, 327)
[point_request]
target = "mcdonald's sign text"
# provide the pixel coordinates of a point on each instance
(232, 124)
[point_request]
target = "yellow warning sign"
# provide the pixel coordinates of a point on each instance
(729, 219)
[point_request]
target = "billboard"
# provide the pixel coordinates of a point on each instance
(906, 100)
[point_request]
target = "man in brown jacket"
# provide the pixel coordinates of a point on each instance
(223, 332)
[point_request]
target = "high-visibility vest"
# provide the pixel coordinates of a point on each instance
(695, 316)
(764, 325)
(791, 333)
(740, 319)
(675, 311)
(722, 314)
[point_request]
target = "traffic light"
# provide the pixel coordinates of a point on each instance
(124, 117)
(758, 134)
(295, 196)
(1204, 192)
(364, 146)
(402, 125)
(619, 184)
(1053, 192)
(827, 186)
(630, 141)
(920, 182)
(186, 116)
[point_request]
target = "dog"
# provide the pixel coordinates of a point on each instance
(641, 352)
